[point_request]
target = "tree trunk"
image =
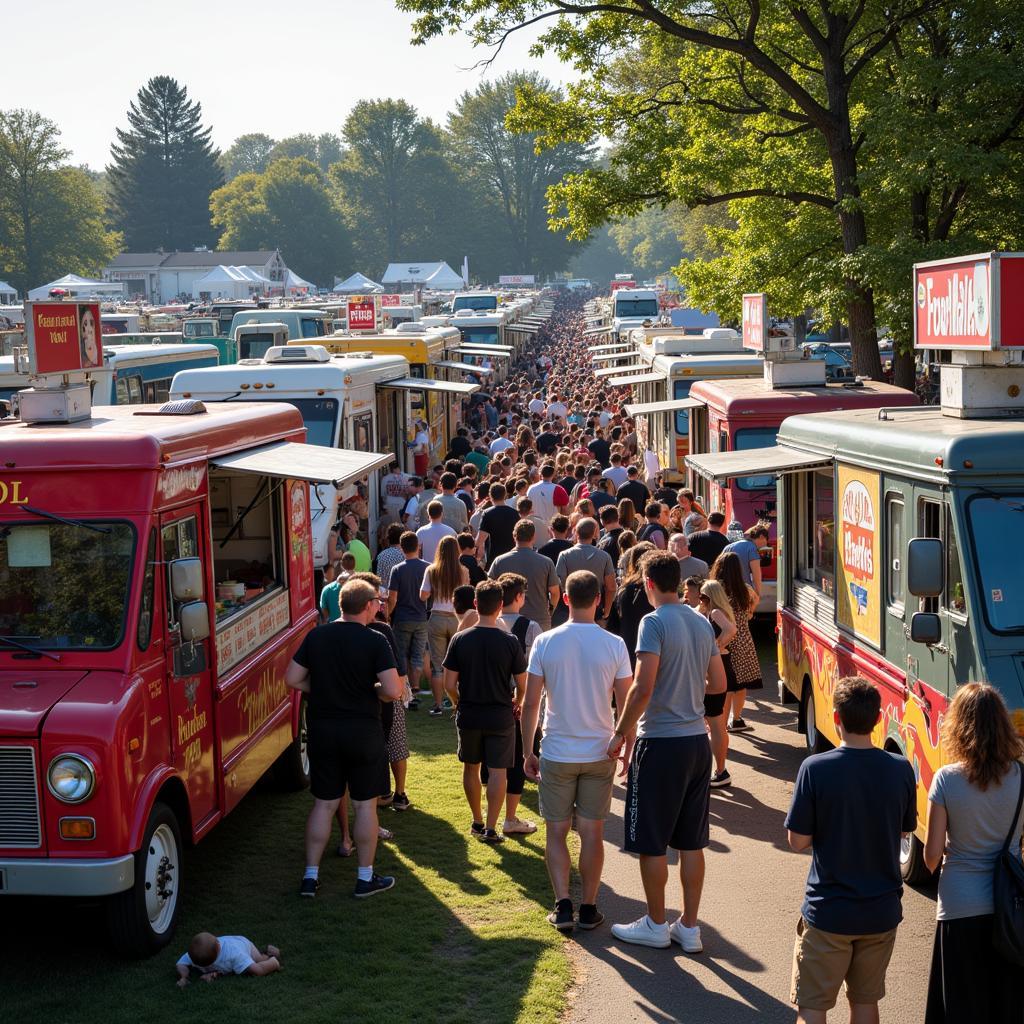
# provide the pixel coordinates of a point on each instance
(904, 370)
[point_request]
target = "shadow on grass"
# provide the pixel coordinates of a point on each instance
(451, 942)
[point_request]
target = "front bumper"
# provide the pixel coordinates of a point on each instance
(22, 877)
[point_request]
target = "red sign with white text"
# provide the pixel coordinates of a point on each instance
(391, 300)
(362, 314)
(755, 321)
(63, 336)
(971, 302)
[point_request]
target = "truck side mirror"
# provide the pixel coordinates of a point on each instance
(925, 567)
(194, 620)
(187, 579)
(925, 628)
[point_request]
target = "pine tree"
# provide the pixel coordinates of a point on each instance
(163, 170)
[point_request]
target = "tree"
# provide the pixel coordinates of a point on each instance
(514, 172)
(395, 184)
(322, 150)
(248, 154)
(163, 170)
(51, 216)
(287, 207)
(769, 72)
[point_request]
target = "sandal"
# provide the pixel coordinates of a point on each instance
(385, 833)
(346, 851)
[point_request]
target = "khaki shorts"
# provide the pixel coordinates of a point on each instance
(583, 788)
(822, 961)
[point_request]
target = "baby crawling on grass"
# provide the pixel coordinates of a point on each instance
(211, 957)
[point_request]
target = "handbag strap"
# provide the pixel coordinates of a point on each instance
(1016, 813)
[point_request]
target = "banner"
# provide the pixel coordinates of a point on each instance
(755, 321)
(858, 555)
(362, 313)
(515, 279)
(63, 336)
(391, 300)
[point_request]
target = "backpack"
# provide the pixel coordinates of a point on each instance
(520, 628)
(649, 530)
(1008, 894)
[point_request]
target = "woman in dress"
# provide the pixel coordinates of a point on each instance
(728, 571)
(715, 607)
(973, 806)
(440, 581)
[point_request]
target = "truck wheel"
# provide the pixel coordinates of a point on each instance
(912, 865)
(142, 919)
(291, 770)
(816, 743)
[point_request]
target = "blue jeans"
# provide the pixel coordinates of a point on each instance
(412, 642)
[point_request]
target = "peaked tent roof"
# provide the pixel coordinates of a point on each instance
(445, 279)
(6, 289)
(295, 283)
(357, 283)
(224, 273)
(78, 285)
(421, 273)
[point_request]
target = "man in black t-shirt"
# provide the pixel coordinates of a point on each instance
(601, 449)
(346, 670)
(635, 490)
(496, 525)
(478, 666)
(708, 544)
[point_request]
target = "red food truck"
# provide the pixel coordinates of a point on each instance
(156, 578)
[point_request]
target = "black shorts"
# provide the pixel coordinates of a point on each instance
(496, 748)
(347, 754)
(668, 795)
(714, 705)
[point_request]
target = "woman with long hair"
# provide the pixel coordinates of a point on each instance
(716, 608)
(627, 540)
(440, 581)
(973, 806)
(627, 515)
(525, 440)
(584, 510)
(728, 571)
(630, 604)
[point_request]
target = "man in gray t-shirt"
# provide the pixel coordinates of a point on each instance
(669, 786)
(585, 556)
(689, 565)
(542, 589)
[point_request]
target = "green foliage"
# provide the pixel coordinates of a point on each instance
(248, 154)
(51, 215)
(290, 207)
(163, 170)
(322, 150)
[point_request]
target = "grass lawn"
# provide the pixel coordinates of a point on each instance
(461, 938)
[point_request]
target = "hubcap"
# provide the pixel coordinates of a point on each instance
(906, 846)
(303, 740)
(161, 880)
(812, 727)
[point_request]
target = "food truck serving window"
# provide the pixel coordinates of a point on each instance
(755, 437)
(64, 585)
(816, 553)
(247, 525)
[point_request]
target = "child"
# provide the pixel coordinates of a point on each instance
(330, 596)
(230, 954)
(691, 594)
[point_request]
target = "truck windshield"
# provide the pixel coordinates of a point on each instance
(993, 521)
(319, 415)
(479, 335)
(755, 437)
(636, 307)
(475, 302)
(65, 586)
(198, 329)
(681, 389)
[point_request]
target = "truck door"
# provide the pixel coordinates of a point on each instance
(189, 683)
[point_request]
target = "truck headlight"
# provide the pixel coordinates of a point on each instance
(71, 778)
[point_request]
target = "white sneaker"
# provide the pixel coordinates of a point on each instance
(518, 827)
(643, 932)
(688, 938)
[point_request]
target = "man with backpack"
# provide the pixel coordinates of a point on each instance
(654, 530)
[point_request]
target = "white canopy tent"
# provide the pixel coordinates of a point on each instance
(230, 283)
(295, 285)
(436, 275)
(8, 296)
(357, 284)
(81, 287)
(444, 279)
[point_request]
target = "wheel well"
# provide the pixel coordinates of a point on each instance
(801, 714)
(173, 794)
(893, 747)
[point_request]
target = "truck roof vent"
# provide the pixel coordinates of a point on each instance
(179, 407)
(297, 354)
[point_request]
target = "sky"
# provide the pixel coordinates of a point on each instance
(260, 66)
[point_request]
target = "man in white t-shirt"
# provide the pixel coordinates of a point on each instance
(501, 443)
(537, 405)
(616, 472)
(394, 488)
(557, 409)
(411, 512)
(431, 534)
(549, 499)
(579, 666)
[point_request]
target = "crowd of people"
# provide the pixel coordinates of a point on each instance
(575, 613)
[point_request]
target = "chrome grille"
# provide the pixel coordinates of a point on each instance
(19, 799)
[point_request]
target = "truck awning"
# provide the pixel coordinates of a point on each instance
(477, 350)
(464, 367)
(290, 460)
(607, 357)
(617, 346)
(523, 328)
(672, 405)
(637, 378)
(485, 345)
(720, 466)
(610, 371)
(418, 384)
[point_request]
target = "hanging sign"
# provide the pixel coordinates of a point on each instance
(63, 337)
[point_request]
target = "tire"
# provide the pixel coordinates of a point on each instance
(814, 741)
(291, 769)
(142, 919)
(912, 865)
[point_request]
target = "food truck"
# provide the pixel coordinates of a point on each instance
(898, 530)
(155, 580)
(743, 414)
(360, 401)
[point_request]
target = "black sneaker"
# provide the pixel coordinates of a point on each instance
(722, 778)
(436, 710)
(386, 800)
(477, 829)
(738, 725)
(378, 883)
(590, 916)
(561, 916)
(490, 835)
(401, 802)
(413, 704)
(309, 887)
